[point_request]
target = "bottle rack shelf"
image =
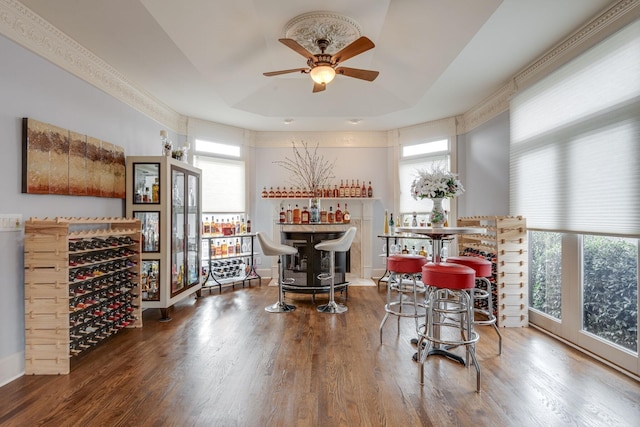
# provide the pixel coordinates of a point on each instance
(229, 269)
(81, 287)
(505, 245)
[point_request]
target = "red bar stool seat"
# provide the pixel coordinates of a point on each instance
(449, 307)
(483, 271)
(403, 270)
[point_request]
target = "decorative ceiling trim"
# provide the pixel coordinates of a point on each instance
(25, 27)
(611, 20)
(310, 27)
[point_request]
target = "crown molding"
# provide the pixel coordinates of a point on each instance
(611, 20)
(25, 27)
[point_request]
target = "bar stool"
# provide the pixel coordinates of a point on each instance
(270, 248)
(482, 268)
(341, 244)
(449, 306)
(400, 266)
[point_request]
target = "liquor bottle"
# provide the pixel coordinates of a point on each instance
(224, 248)
(331, 216)
(363, 191)
(207, 227)
(238, 247)
(338, 215)
(446, 219)
(341, 190)
(155, 191)
(248, 225)
(265, 194)
(297, 219)
(283, 215)
(289, 214)
(272, 193)
(414, 221)
(358, 189)
(314, 214)
(297, 193)
(278, 193)
(352, 189)
(391, 224)
(346, 216)
(323, 216)
(231, 249)
(370, 190)
(243, 227)
(304, 216)
(146, 195)
(405, 250)
(422, 252)
(336, 191)
(386, 222)
(292, 192)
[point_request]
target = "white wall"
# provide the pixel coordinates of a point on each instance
(32, 87)
(483, 166)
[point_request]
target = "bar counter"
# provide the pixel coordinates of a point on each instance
(305, 265)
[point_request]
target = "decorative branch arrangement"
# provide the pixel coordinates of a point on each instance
(310, 170)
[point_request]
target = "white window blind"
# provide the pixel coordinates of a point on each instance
(575, 142)
(223, 184)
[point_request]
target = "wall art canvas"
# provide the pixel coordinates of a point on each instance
(60, 161)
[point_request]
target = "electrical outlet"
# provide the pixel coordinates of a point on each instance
(11, 222)
(258, 260)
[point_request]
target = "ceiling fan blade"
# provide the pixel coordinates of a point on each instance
(368, 75)
(295, 70)
(319, 87)
(362, 44)
(291, 43)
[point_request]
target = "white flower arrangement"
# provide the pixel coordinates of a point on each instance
(436, 183)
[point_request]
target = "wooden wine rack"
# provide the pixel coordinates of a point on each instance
(505, 245)
(81, 287)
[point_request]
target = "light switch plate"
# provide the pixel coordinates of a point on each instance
(11, 222)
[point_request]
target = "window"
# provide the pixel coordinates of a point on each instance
(223, 179)
(415, 157)
(575, 147)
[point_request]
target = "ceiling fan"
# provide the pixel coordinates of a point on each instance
(323, 67)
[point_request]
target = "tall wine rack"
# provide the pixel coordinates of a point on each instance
(505, 245)
(81, 287)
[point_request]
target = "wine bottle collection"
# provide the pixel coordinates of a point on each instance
(316, 215)
(103, 289)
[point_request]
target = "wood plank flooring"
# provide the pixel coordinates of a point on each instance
(224, 361)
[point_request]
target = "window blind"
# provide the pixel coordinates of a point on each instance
(223, 184)
(575, 142)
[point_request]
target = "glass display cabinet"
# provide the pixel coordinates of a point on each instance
(165, 195)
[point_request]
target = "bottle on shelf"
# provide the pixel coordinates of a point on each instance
(231, 249)
(289, 214)
(331, 216)
(338, 214)
(352, 189)
(370, 190)
(386, 222)
(265, 193)
(272, 193)
(405, 250)
(207, 227)
(243, 226)
(297, 219)
(155, 191)
(358, 189)
(422, 252)
(341, 190)
(363, 191)
(314, 214)
(146, 195)
(248, 225)
(336, 191)
(278, 193)
(224, 248)
(304, 216)
(346, 216)
(391, 224)
(414, 221)
(323, 216)
(283, 215)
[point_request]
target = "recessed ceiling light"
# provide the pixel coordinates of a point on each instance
(355, 121)
(288, 121)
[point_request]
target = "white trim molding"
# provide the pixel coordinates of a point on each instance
(25, 27)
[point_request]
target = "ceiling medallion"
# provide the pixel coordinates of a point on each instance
(310, 27)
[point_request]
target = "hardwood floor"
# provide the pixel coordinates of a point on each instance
(224, 361)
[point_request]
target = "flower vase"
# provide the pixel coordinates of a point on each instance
(314, 210)
(437, 216)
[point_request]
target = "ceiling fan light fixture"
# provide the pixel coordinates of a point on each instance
(322, 74)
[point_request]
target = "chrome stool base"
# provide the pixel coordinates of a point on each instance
(332, 307)
(280, 307)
